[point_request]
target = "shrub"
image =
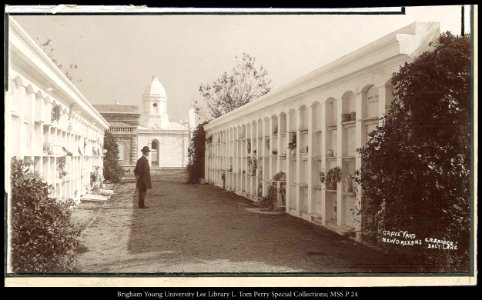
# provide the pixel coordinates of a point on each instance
(416, 172)
(195, 166)
(43, 239)
(112, 169)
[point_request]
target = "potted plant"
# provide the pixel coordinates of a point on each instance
(333, 176)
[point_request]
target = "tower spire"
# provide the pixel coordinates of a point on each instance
(155, 105)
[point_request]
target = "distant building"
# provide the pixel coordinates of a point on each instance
(134, 129)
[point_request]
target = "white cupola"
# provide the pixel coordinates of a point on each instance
(154, 113)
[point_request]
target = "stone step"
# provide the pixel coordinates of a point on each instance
(94, 198)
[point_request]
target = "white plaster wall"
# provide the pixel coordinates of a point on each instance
(369, 67)
(172, 150)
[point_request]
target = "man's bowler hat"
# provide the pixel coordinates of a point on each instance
(145, 149)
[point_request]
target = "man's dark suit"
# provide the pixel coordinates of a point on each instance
(143, 175)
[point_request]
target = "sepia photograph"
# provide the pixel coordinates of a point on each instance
(259, 146)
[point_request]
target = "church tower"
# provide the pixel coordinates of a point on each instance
(154, 113)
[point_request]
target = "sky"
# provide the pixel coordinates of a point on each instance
(117, 55)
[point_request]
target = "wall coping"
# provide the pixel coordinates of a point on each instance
(25, 48)
(408, 41)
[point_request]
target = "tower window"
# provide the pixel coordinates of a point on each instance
(154, 104)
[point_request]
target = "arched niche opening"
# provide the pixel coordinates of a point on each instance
(155, 152)
(331, 115)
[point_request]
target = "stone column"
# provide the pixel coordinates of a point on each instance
(298, 188)
(340, 207)
(288, 167)
(133, 150)
(359, 139)
(324, 134)
(311, 148)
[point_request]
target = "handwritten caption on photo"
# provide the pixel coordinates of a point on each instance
(405, 238)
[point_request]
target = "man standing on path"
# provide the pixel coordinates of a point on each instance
(143, 175)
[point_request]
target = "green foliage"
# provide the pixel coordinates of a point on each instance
(416, 171)
(243, 84)
(43, 239)
(112, 169)
(195, 166)
(68, 71)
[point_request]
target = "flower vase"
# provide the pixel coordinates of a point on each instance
(331, 185)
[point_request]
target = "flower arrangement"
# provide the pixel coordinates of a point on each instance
(56, 111)
(61, 167)
(255, 166)
(292, 143)
(348, 184)
(260, 190)
(71, 111)
(68, 153)
(46, 147)
(69, 117)
(322, 177)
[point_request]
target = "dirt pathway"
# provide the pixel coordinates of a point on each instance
(201, 228)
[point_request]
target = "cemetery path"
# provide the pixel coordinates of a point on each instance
(204, 229)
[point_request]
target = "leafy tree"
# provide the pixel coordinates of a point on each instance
(43, 238)
(195, 166)
(243, 84)
(112, 169)
(67, 70)
(416, 171)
